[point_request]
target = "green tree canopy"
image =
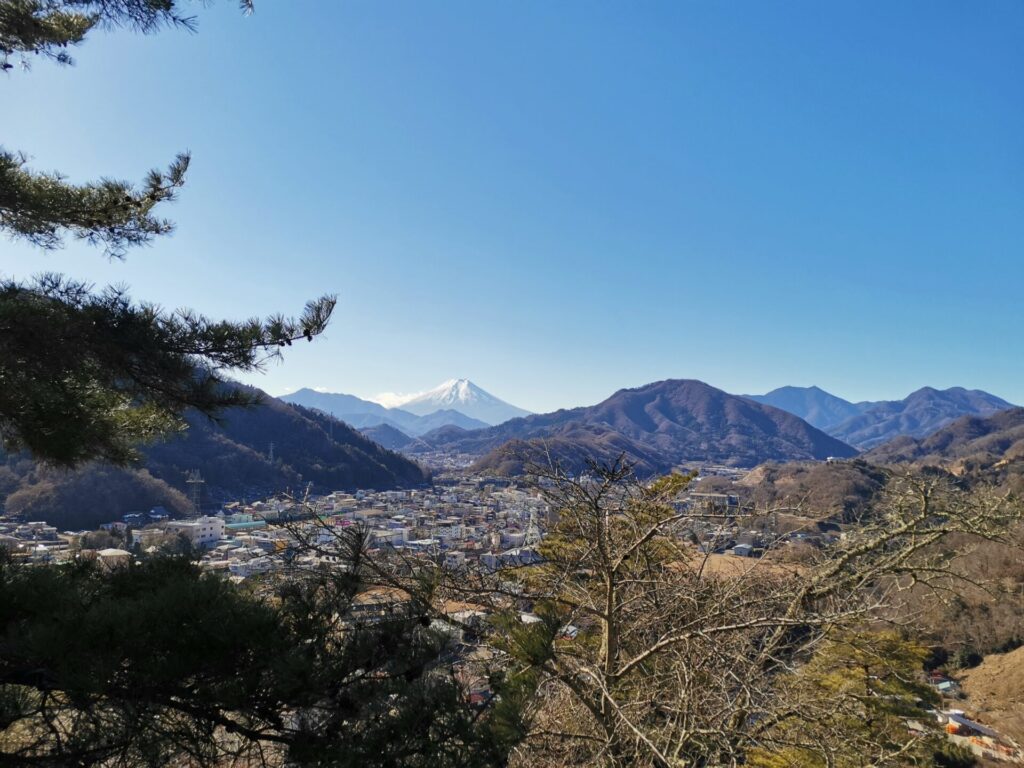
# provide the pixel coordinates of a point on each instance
(88, 373)
(153, 663)
(49, 27)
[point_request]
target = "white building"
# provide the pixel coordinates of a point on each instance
(201, 532)
(392, 536)
(448, 530)
(114, 558)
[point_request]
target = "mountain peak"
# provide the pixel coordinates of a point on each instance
(464, 396)
(813, 404)
(657, 426)
(457, 389)
(920, 413)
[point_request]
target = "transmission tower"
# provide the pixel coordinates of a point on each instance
(195, 482)
(271, 451)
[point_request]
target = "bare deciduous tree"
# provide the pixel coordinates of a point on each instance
(639, 648)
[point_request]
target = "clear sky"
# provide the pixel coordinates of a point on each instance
(559, 199)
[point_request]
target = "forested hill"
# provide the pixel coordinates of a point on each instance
(309, 446)
(971, 443)
(919, 414)
(233, 455)
(659, 426)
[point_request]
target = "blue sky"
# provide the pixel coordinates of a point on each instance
(559, 199)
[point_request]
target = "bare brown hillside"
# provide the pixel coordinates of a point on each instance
(995, 690)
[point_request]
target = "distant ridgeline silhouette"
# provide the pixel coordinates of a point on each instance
(867, 424)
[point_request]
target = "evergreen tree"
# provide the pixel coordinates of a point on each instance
(858, 690)
(154, 664)
(49, 27)
(88, 374)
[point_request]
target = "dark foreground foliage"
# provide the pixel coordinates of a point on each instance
(154, 663)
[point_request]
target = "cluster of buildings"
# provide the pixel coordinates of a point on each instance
(977, 738)
(717, 523)
(35, 540)
(981, 740)
(461, 520)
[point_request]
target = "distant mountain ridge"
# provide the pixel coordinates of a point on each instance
(361, 413)
(868, 424)
(393, 439)
(997, 438)
(657, 426)
(458, 401)
(919, 414)
(812, 404)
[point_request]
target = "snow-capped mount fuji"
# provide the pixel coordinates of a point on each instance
(460, 395)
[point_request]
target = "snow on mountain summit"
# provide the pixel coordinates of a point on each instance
(461, 395)
(457, 391)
